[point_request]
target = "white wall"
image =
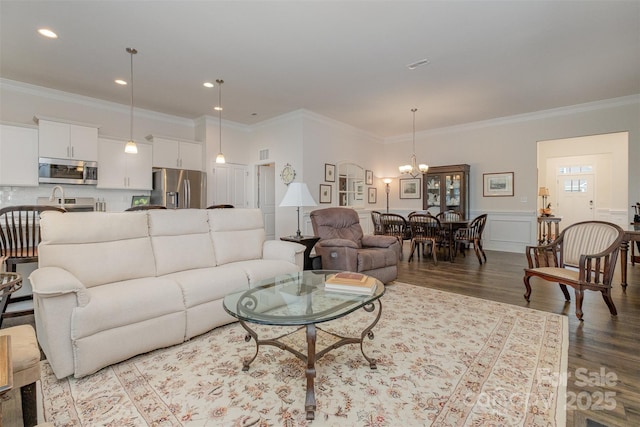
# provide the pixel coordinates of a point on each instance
(510, 144)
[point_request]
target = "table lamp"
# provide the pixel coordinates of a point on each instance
(298, 195)
(544, 193)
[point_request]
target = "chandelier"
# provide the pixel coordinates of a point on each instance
(414, 169)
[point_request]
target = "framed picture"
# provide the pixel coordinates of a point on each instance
(358, 190)
(373, 195)
(497, 184)
(325, 193)
(368, 177)
(329, 173)
(410, 188)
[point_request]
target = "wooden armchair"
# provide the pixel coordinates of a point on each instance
(395, 225)
(583, 257)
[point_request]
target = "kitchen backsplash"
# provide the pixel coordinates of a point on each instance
(116, 200)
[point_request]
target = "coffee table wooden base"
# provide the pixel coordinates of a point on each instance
(312, 356)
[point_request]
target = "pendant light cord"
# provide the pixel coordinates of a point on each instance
(413, 110)
(220, 82)
(132, 52)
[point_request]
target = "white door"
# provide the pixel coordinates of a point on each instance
(267, 198)
(575, 199)
(229, 185)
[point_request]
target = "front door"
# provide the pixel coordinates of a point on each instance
(575, 198)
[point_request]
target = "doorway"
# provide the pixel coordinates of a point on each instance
(266, 176)
(587, 177)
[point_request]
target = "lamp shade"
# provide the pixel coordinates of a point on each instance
(543, 191)
(298, 195)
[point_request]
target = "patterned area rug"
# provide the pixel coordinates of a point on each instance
(443, 360)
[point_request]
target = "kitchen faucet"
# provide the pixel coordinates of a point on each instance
(53, 194)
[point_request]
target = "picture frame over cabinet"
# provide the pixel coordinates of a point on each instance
(446, 188)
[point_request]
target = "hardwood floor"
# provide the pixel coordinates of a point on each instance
(603, 382)
(601, 343)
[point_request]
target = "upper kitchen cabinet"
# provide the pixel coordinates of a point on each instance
(177, 154)
(18, 156)
(120, 170)
(447, 188)
(61, 140)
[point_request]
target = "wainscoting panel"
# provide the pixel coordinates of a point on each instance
(509, 231)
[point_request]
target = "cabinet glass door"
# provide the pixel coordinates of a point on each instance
(433, 191)
(452, 193)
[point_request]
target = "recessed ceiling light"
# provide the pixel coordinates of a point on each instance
(121, 82)
(217, 108)
(207, 84)
(47, 33)
(417, 64)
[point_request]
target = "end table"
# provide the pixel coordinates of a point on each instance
(309, 242)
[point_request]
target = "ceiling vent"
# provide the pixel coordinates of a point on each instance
(264, 154)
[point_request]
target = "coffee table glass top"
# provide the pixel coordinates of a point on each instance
(295, 299)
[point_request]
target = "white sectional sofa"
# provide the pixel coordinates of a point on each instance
(110, 286)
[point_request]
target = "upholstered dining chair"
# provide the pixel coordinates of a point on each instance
(425, 231)
(472, 235)
(395, 225)
(583, 256)
(144, 208)
(19, 238)
(343, 246)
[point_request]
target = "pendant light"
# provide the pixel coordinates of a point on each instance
(220, 156)
(131, 146)
(413, 169)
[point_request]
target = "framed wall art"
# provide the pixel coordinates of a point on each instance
(373, 195)
(329, 172)
(410, 188)
(497, 184)
(325, 193)
(368, 177)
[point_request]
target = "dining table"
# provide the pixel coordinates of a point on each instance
(451, 227)
(631, 235)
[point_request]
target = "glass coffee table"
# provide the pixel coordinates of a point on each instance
(300, 299)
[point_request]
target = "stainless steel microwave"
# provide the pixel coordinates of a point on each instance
(66, 171)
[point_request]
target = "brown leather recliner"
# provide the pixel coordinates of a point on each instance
(343, 246)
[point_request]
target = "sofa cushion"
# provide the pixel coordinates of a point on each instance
(122, 303)
(237, 234)
(180, 240)
(207, 284)
(97, 247)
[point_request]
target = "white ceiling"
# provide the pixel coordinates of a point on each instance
(342, 59)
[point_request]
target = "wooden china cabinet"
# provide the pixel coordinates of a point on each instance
(446, 188)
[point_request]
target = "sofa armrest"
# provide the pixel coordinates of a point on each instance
(287, 251)
(49, 282)
(378, 241)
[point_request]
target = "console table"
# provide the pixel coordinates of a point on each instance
(631, 235)
(545, 224)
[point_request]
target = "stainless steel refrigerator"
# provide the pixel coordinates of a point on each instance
(179, 188)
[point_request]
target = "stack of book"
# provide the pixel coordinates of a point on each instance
(352, 283)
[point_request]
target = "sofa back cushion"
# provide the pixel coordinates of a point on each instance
(237, 234)
(96, 247)
(180, 239)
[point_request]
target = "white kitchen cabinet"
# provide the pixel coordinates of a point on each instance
(120, 170)
(18, 156)
(176, 154)
(67, 141)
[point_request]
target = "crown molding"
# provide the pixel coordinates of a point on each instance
(58, 95)
(206, 120)
(521, 118)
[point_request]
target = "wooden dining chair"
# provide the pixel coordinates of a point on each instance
(223, 206)
(19, 239)
(395, 225)
(377, 225)
(425, 231)
(472, 235)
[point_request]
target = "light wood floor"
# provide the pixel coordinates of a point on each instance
(601, 342)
